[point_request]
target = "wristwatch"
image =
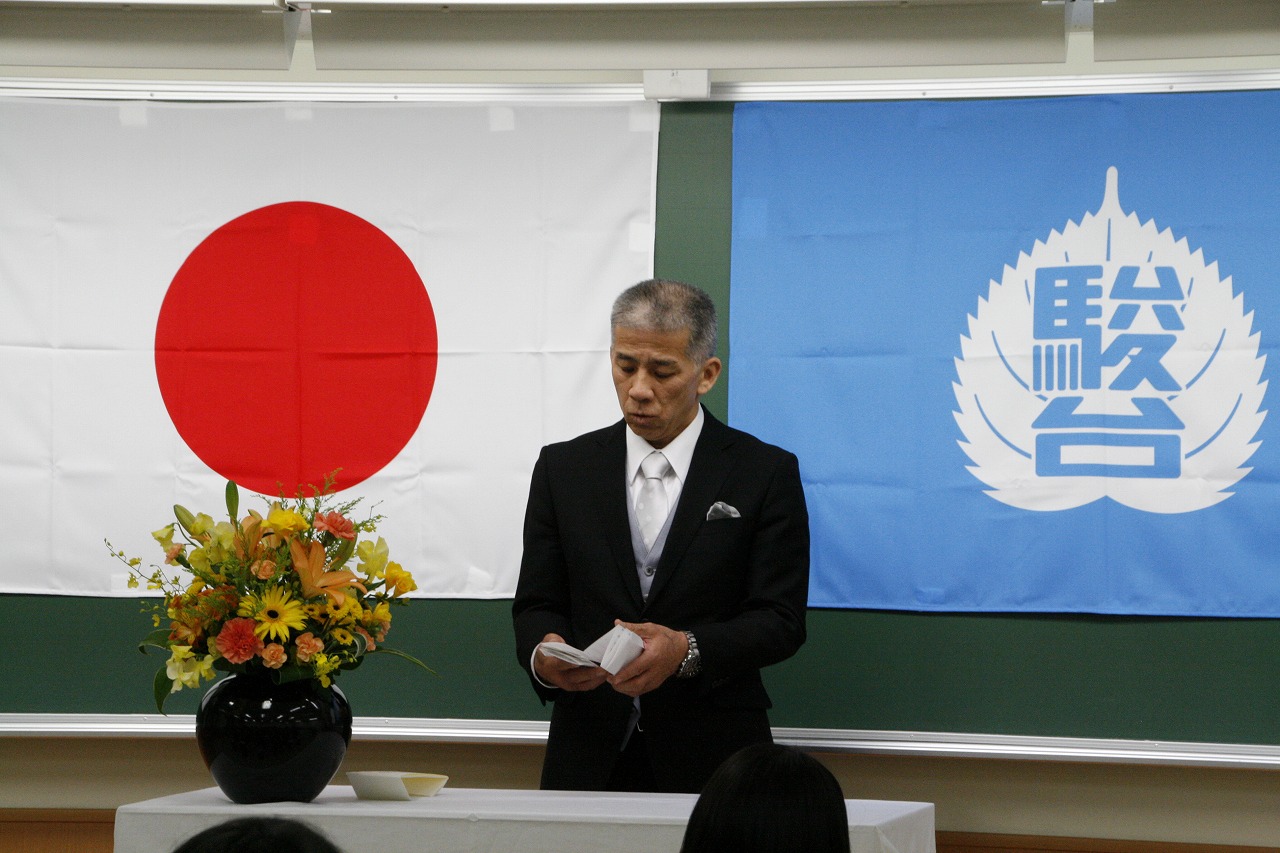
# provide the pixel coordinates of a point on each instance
(692, 663)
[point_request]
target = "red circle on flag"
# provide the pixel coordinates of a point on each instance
(296, 340)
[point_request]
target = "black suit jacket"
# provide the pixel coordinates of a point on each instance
(739, 584)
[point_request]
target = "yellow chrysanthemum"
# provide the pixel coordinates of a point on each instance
(343, 636)
(381, 612)
(276, 612)
(345, 613)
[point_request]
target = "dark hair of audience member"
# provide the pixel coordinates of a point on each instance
(768, 798)
(258, 835)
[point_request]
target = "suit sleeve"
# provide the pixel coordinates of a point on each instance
(541, 604)
(768, 625)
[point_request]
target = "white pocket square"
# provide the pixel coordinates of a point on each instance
(720, 509)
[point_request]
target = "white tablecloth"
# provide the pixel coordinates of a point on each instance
(463, 820)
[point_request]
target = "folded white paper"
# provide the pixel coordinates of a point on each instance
(394, 784)
(611, 652)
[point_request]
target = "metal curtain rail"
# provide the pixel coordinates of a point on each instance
(818, 90)
(923, 744)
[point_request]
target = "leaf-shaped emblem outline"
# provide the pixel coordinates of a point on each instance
(1215, 359)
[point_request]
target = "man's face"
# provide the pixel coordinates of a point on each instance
(658, 383)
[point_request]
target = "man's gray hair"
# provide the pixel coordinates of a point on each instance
(663, 305)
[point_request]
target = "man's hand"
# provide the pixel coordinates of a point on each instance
(562, 674)
(664, 650)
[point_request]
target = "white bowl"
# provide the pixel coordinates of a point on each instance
(394, 784)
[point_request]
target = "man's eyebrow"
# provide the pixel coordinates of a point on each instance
(657, 360)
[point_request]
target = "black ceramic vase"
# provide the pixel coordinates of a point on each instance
(266, 742)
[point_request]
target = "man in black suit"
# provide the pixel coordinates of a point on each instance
(690, 533)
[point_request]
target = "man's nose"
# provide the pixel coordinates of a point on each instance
(641, 389)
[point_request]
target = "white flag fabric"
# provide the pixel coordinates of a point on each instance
(127, 227)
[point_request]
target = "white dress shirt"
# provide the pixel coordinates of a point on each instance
(679, 453)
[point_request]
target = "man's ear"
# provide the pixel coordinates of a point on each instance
(710, 373)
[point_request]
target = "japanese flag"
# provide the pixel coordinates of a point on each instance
(416, 294)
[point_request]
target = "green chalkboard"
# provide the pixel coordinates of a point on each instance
(1072, 676)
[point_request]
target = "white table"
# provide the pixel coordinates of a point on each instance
(472, 820)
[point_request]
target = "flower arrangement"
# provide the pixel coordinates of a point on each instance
(270, 593)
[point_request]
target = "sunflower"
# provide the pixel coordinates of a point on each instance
(276, 611)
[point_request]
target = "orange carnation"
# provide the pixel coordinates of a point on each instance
(237, 642)
(308, 646)
(274, 656)
(335, 523)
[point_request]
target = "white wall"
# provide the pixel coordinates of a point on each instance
(857, 40)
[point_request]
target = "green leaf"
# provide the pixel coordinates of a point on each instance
(291, 672)
(157, 639)
(410, 658)
(162, 687)
(233, 499)
(344, 552)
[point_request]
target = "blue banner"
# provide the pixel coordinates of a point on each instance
(1022, 347)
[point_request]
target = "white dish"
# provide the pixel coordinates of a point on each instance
(394, 784)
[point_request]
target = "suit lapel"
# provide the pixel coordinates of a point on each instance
(711, 463)
(611, 488)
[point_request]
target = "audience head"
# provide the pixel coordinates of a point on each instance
(768, 798)
(258, 835)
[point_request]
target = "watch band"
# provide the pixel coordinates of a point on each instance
(692, 663)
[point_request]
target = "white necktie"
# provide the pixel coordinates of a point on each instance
(651, 505)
